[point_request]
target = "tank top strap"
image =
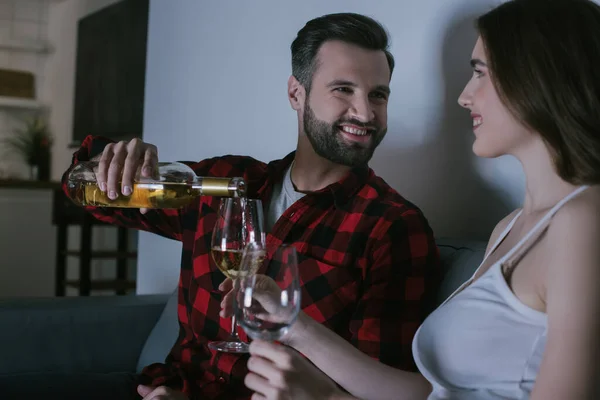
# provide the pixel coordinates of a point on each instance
(512, 258)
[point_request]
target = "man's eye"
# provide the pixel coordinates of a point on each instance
(343, 90)
(380, 95)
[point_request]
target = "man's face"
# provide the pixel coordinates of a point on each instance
(345, 113)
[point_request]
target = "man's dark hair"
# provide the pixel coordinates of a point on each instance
(350, 28)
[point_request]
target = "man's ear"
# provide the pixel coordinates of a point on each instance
(296, 93)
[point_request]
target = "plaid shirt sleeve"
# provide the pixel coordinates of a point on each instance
(190, 367)
(397, 289)
(186, 367)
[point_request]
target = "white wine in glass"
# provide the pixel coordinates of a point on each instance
(240, 221)
(228, 261)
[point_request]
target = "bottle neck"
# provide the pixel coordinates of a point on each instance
(220, 187)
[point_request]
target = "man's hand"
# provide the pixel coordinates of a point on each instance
(159, 393)
(265, 291)
(124, 159)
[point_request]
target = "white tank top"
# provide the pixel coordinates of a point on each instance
(483, 342)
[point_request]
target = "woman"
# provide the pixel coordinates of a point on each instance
(527, 324)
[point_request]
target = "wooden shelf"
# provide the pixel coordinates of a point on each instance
(16, 102)
(105, 254)
(26, 46)
(107, 284)
(25, 184)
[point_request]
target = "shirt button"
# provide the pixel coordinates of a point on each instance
(221, 379)
(292, 213)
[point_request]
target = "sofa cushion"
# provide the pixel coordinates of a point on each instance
(75, 334)
(460, 259)
(68, 386)
(163, 335)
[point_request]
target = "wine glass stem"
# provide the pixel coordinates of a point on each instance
(234, 333)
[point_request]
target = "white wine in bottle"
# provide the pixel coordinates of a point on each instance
(175, 186)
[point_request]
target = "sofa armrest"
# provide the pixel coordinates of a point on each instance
(76, 334)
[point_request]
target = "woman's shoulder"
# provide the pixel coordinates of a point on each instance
(573, 235)
(571, 248)
(580, 216)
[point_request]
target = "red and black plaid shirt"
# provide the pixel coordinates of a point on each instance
(368, 268)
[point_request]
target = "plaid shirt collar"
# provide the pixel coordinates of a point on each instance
(340, 192)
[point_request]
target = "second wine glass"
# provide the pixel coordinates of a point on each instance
(240, 221)
(267, 305)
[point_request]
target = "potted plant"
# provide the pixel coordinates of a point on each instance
(33, 142)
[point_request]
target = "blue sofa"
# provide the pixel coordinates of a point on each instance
(104, 340)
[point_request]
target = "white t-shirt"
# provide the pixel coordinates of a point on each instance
(284, 195)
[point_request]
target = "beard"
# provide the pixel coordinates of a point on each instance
(327, 142)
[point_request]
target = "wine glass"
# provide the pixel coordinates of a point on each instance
(266, 305)
(239, 221)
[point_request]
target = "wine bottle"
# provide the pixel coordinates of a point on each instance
(174, 185)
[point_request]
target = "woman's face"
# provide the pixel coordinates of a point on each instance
(496, 131)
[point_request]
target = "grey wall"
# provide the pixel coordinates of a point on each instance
(216, 84)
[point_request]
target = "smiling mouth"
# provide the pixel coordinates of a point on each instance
(356, 134)
(355, 131)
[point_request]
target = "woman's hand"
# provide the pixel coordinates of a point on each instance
(266, 292)
(159, 393)
(278, 372)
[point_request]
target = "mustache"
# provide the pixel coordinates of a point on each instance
(363, 125)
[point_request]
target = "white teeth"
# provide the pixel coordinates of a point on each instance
(354, 131)
(477, 121)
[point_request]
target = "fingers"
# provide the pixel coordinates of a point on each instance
(268, 370)
(103, 163)
(259, 385)
(271, 306)
(268, 295)
(130, 166)
(227, 303)
(279, 355)
(159, 393)
(119, 164)
(115, 169)
(266, 378)
(144, 390)
(150, 160)
(226, 285)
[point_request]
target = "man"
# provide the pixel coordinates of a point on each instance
(368, 260)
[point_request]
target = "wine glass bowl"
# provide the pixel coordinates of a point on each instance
(267, 305)
(239, 222)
